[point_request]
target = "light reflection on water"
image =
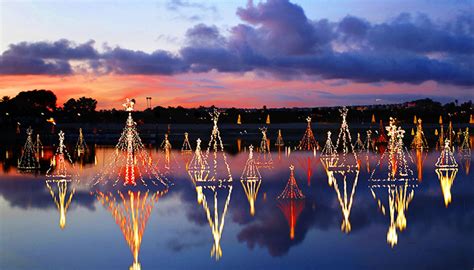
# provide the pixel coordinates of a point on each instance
(73, 225)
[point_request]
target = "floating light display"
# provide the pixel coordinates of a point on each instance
(81, 146)
(186, 148)
(279, 141)
(264, 159)
(359, 145)
(130, 161)
(329, 157)
(347, 154)
(308, 142)
(220, 170)
(465, 148)
(369, 142)
(61, 163)
(131, 211)
(61, 199)
(198, 169)
(251, 180)
(28, 159)
(291, 202)
(397, 178)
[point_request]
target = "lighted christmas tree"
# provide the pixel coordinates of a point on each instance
(419, 141)
(131, 211)
(369, 142)
(61, 164)
(215, 154)
(329, 157)
(291, 202)
(130, 161)
(268, 120)
(446, 169)
(446, 159)
(465, 148)
(198, 169)
(381, 140)
(308, 142)
(264, 159)
(251, 180)
(186, 148)
(28, 159)
(440, 142)
(39, 145)
(359, 145)
(166, 147)
(347, 157)
(393, 173)
(345, 171)
(279, 141)
(61, 199)
(239, 120)
(81, 146)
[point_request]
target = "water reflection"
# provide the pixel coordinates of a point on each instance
(131, 211)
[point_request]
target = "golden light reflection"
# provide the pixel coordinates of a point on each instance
(345, 200)
(130, 211)
(446, 178)
(216, 220)
(61, 199)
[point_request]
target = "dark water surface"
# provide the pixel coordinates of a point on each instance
(177, 232)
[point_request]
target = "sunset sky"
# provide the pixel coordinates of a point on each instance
(237, 53)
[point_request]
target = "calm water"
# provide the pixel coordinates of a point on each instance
(176, 231)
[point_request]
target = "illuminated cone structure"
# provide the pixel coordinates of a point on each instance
(291, 202)
(251, 180)
(186, 148)
(369, 143)
(130, 163)
(344, 171)
(446, 169)
(359, 145)
(329, 157)
(419, 141)
(166, 147)
(61, 164)
(213, 194)
(62, 197)
(393, 174)
(279, 141)
(130, 210)
(215, 155)
(308, 142)
(465, 148)
(382, 140)
(198, 170)
(264, 159)
(81, 146)
(28, 159)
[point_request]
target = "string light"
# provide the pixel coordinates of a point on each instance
(218, 155)
(130, 161)
(291, 202)
(186, 148)
(28, 159)
(308, 142)
(81, 146)
(279, 141)
(198, 169)
(61, 200)
(359, 145)
(419, 141)
(61, 165)
(264, 159)
(465, 148)
(251, 180)
(398, 179)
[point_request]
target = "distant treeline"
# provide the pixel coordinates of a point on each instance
(35, 107)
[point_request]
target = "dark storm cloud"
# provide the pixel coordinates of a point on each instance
(275, 37)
